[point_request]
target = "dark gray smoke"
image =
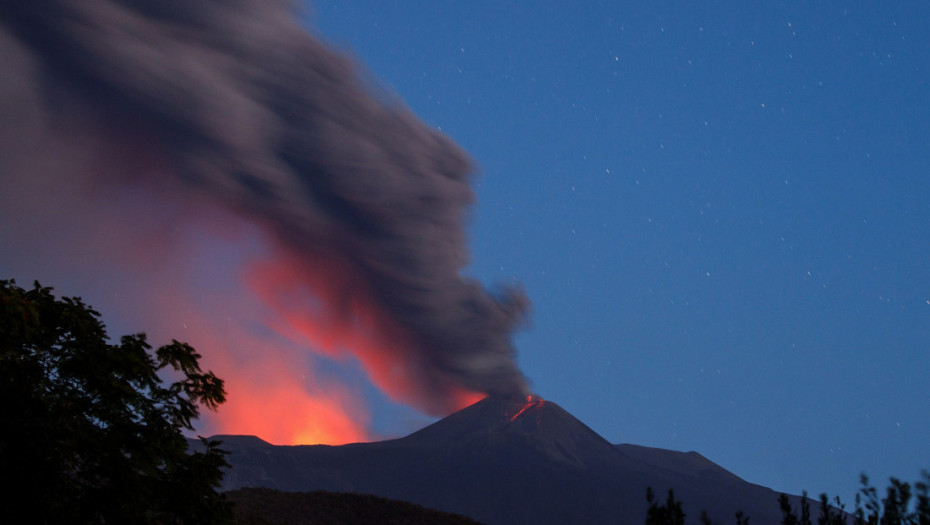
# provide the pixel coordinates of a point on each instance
(242, 106)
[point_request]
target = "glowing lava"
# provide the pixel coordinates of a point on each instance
(284, 411)
(322, 305)
(531, 401)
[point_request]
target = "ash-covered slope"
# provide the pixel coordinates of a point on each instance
(506, 461)
(525, 427)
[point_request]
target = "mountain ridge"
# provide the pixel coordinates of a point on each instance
(506, 460)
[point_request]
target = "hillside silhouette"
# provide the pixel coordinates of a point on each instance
(506, 460)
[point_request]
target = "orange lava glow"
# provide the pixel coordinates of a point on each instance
(284, 414)
(531, 401)
(320, 304)
(273, 389)
(272, 402)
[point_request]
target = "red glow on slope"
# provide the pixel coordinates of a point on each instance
(272, 392)
(531, 401)
(321, 304)
(284, 413)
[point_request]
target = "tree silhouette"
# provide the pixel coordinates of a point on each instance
(893, 509)
(670, 513)
(741, 519)
(831, 513)
(89, 432)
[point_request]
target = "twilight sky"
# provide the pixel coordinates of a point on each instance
(718, 213)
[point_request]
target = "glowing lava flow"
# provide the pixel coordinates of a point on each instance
(531, 401)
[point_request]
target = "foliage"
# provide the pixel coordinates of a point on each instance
(894, 509)
(670, 513)
(831, 513)
(89, 432)
(789, 517)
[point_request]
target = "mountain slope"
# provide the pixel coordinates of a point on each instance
(272, 507)
(506, 460)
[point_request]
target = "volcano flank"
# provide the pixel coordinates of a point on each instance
(506, 460)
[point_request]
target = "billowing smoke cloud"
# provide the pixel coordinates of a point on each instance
(232, 105)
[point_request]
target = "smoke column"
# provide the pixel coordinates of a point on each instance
(134, 123)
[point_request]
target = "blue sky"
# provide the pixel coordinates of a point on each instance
(718, 210)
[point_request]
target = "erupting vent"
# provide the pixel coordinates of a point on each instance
(531, 401)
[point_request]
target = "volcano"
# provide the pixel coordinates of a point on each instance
(506, 460)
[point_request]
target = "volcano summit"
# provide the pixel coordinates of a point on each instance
(506, 460)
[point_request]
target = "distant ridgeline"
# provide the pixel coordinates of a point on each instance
(523, 460)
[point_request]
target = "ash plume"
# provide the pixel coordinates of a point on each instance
(233, 103)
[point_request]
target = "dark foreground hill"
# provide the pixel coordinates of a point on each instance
(273, 507)
(507, 461)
